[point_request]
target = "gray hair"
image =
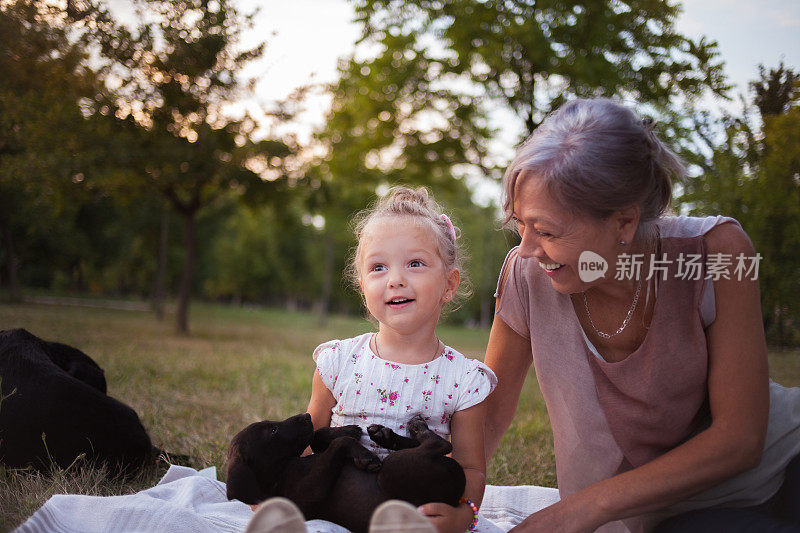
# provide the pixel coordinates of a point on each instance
(597, 157)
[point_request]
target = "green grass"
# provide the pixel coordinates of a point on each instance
(239, 365)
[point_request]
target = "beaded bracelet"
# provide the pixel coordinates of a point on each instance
(474, 524)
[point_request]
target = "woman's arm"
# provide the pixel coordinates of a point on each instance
(739, 400)
(508, 354)
(466, 429)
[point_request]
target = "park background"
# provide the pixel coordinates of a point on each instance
(159, 155)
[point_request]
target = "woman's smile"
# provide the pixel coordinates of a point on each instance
(550, 267)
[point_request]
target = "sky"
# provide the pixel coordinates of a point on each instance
(311, 35)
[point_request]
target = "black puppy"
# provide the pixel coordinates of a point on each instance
(342, 481)
(76, 363)
(54, 408)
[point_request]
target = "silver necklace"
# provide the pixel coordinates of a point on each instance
(624, 322)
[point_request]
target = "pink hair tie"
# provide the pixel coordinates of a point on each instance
(446, 219)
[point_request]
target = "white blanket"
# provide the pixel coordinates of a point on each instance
(186, 500)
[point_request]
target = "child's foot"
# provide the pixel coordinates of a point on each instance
(401, 517)
(277, 515)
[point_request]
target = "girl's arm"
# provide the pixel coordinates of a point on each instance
(509, 356)
(320, 405)
(467, 436)
(738, 392)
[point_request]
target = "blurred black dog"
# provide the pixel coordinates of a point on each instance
(54, 407)
(342, 481)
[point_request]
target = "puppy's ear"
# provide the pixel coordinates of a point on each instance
(242, 484)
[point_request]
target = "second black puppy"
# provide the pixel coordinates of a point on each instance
(342, 481)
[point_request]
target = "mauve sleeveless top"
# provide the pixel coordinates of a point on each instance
(608, 418)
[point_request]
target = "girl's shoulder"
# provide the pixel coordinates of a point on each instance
(472, 380)
(468, 365)
(336, 347)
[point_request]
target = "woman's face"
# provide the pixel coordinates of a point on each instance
(555, 237)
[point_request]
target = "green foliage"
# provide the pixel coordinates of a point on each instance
(43, 90)
(753, 175)
(175, 73)
(531, 56)
(260, 256)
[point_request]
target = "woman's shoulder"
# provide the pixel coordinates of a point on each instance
(728, 239)
(683, 226)
(516, 271)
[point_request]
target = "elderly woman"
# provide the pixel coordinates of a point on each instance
(655, 373)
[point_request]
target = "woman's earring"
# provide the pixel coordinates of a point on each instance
(622, 243)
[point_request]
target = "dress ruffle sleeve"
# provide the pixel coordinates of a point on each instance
(477, 383)
(328, 358)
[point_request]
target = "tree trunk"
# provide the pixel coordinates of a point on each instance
(486, 311)
(327, 280)
(161, 270)
(11, 265)
(188, 271)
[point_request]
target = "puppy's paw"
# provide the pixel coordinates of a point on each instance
(367, 461)
(382, 436)
(352, 430)
(416, 426)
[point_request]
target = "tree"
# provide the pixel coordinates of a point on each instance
(774, 196)
(531, 56)
(753, 174)
(44, 85)
(776, 90)
(175, 75)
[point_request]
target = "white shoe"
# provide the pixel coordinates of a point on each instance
(399, 516)
(277, 515)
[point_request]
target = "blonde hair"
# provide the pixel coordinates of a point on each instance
(418, 204)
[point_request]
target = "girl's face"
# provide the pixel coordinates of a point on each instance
(556, 238)
(403, 278)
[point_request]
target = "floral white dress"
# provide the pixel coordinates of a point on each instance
(370, 390)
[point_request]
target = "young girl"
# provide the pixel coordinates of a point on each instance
(408, 267)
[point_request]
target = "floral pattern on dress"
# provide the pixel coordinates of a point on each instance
(375, 391)
(390, 396)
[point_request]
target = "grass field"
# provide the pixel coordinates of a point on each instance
(240, 365)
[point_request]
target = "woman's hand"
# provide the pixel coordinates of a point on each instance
(565, 516)
(446, 518)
